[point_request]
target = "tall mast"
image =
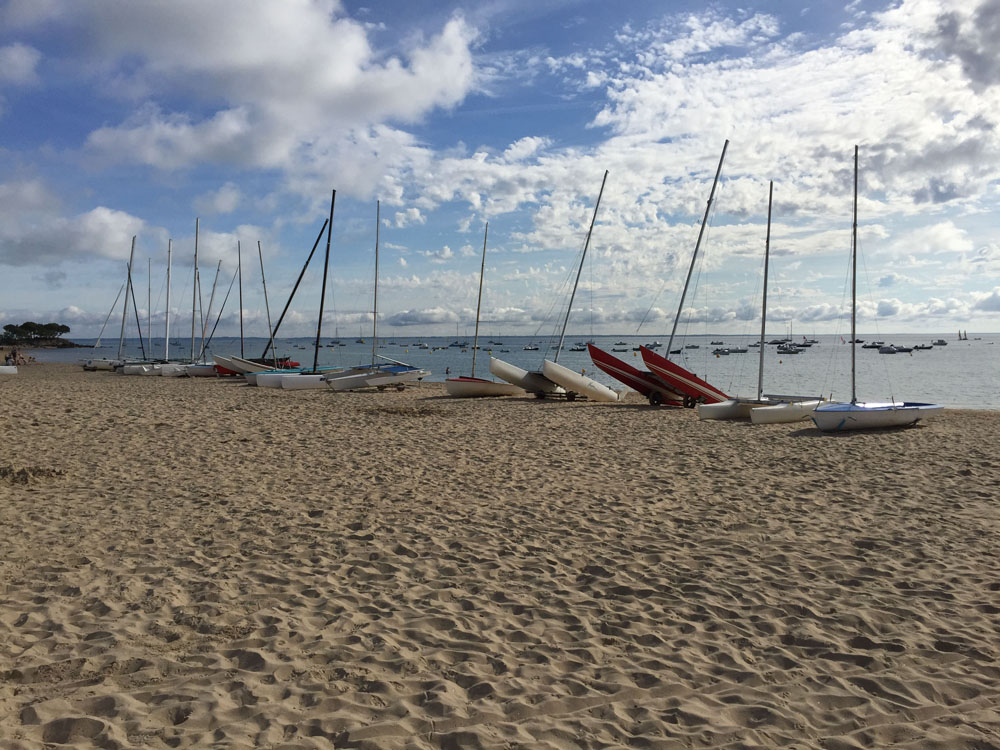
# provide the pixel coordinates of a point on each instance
(128, 282)
(694, 256)
(149, 304)
(322, 294)
(239, 271)
(302, 273)
(479, 302)
(166, 322)
(854, 278)
(97, 344)
(586, 244)
(194, 286)
(763, 307)
(378, 208)
(135, 308)
(267, 307)
(206, 317)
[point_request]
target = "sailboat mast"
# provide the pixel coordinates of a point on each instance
(274, 331)
(128, 282)
(694, 256)
(378, 208)
(149, 303)
(166, 320)
(194, 286)
(135, 308)
(267, 307)
(206, 316)
(763, 309)
(479, 302)
(239, 272)
(97, 344)
(322, 294)
(854, 279)
(583, 257)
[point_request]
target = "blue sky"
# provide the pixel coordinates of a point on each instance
(120, 118)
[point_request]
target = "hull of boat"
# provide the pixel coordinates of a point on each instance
(8, 369)
(173, 370)
(837, 417)
(101, 364)
(397, 377)
(733, 408)
(792, 411)
(243, 366)
(201, 371)
(694, 388)
(302, 381)
(532, 382)
(464, 387)
(574, 382)
(641, 381)
(271, 379)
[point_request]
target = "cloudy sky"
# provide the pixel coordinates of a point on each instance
(120, 118)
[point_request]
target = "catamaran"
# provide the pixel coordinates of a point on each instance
(684, 385)
(378, 375)
(554, 377)
(855, 415)
(471, 386)
(772, 408)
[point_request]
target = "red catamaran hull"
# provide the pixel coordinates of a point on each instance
(676, 377)
(644, 382)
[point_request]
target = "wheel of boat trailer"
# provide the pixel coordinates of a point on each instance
(571, 396)
(689, 402)
(539, 394)
(400, 387)
(655, 398)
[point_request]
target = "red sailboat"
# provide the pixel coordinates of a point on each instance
(650, 386)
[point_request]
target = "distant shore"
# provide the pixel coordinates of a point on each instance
(193, 562)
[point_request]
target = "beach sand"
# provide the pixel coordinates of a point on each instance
(195, 563)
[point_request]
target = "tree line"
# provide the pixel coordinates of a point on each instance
(31, 333)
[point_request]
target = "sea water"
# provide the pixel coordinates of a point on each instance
(962, 374)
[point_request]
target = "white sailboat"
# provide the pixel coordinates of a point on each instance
(772, 408)
(380, 376)
(555, 378)
(471, 386)
(855, 415)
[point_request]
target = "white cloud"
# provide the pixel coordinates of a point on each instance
(222, 201)
(18, 63)
(409, 216)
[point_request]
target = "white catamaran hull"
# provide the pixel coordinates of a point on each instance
(201, 371)
(466, 387)
(302, 381)
(836, 417)
(574, 382)
(532, 382)
(761, 411)
(792, 411)
(8, 369)
(173, 370)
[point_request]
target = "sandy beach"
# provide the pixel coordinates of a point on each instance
(195, 563)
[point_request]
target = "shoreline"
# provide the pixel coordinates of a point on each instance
(194, 562)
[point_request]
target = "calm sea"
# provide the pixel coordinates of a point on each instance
(962, 374)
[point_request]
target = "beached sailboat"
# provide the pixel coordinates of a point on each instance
(693, 389)
(378, 375)
(855, 415)
(471, 386)
(773, 408)
(560, 378)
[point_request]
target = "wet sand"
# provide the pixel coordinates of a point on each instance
(194, 563)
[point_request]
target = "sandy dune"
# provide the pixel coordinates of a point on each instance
(195, 563)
